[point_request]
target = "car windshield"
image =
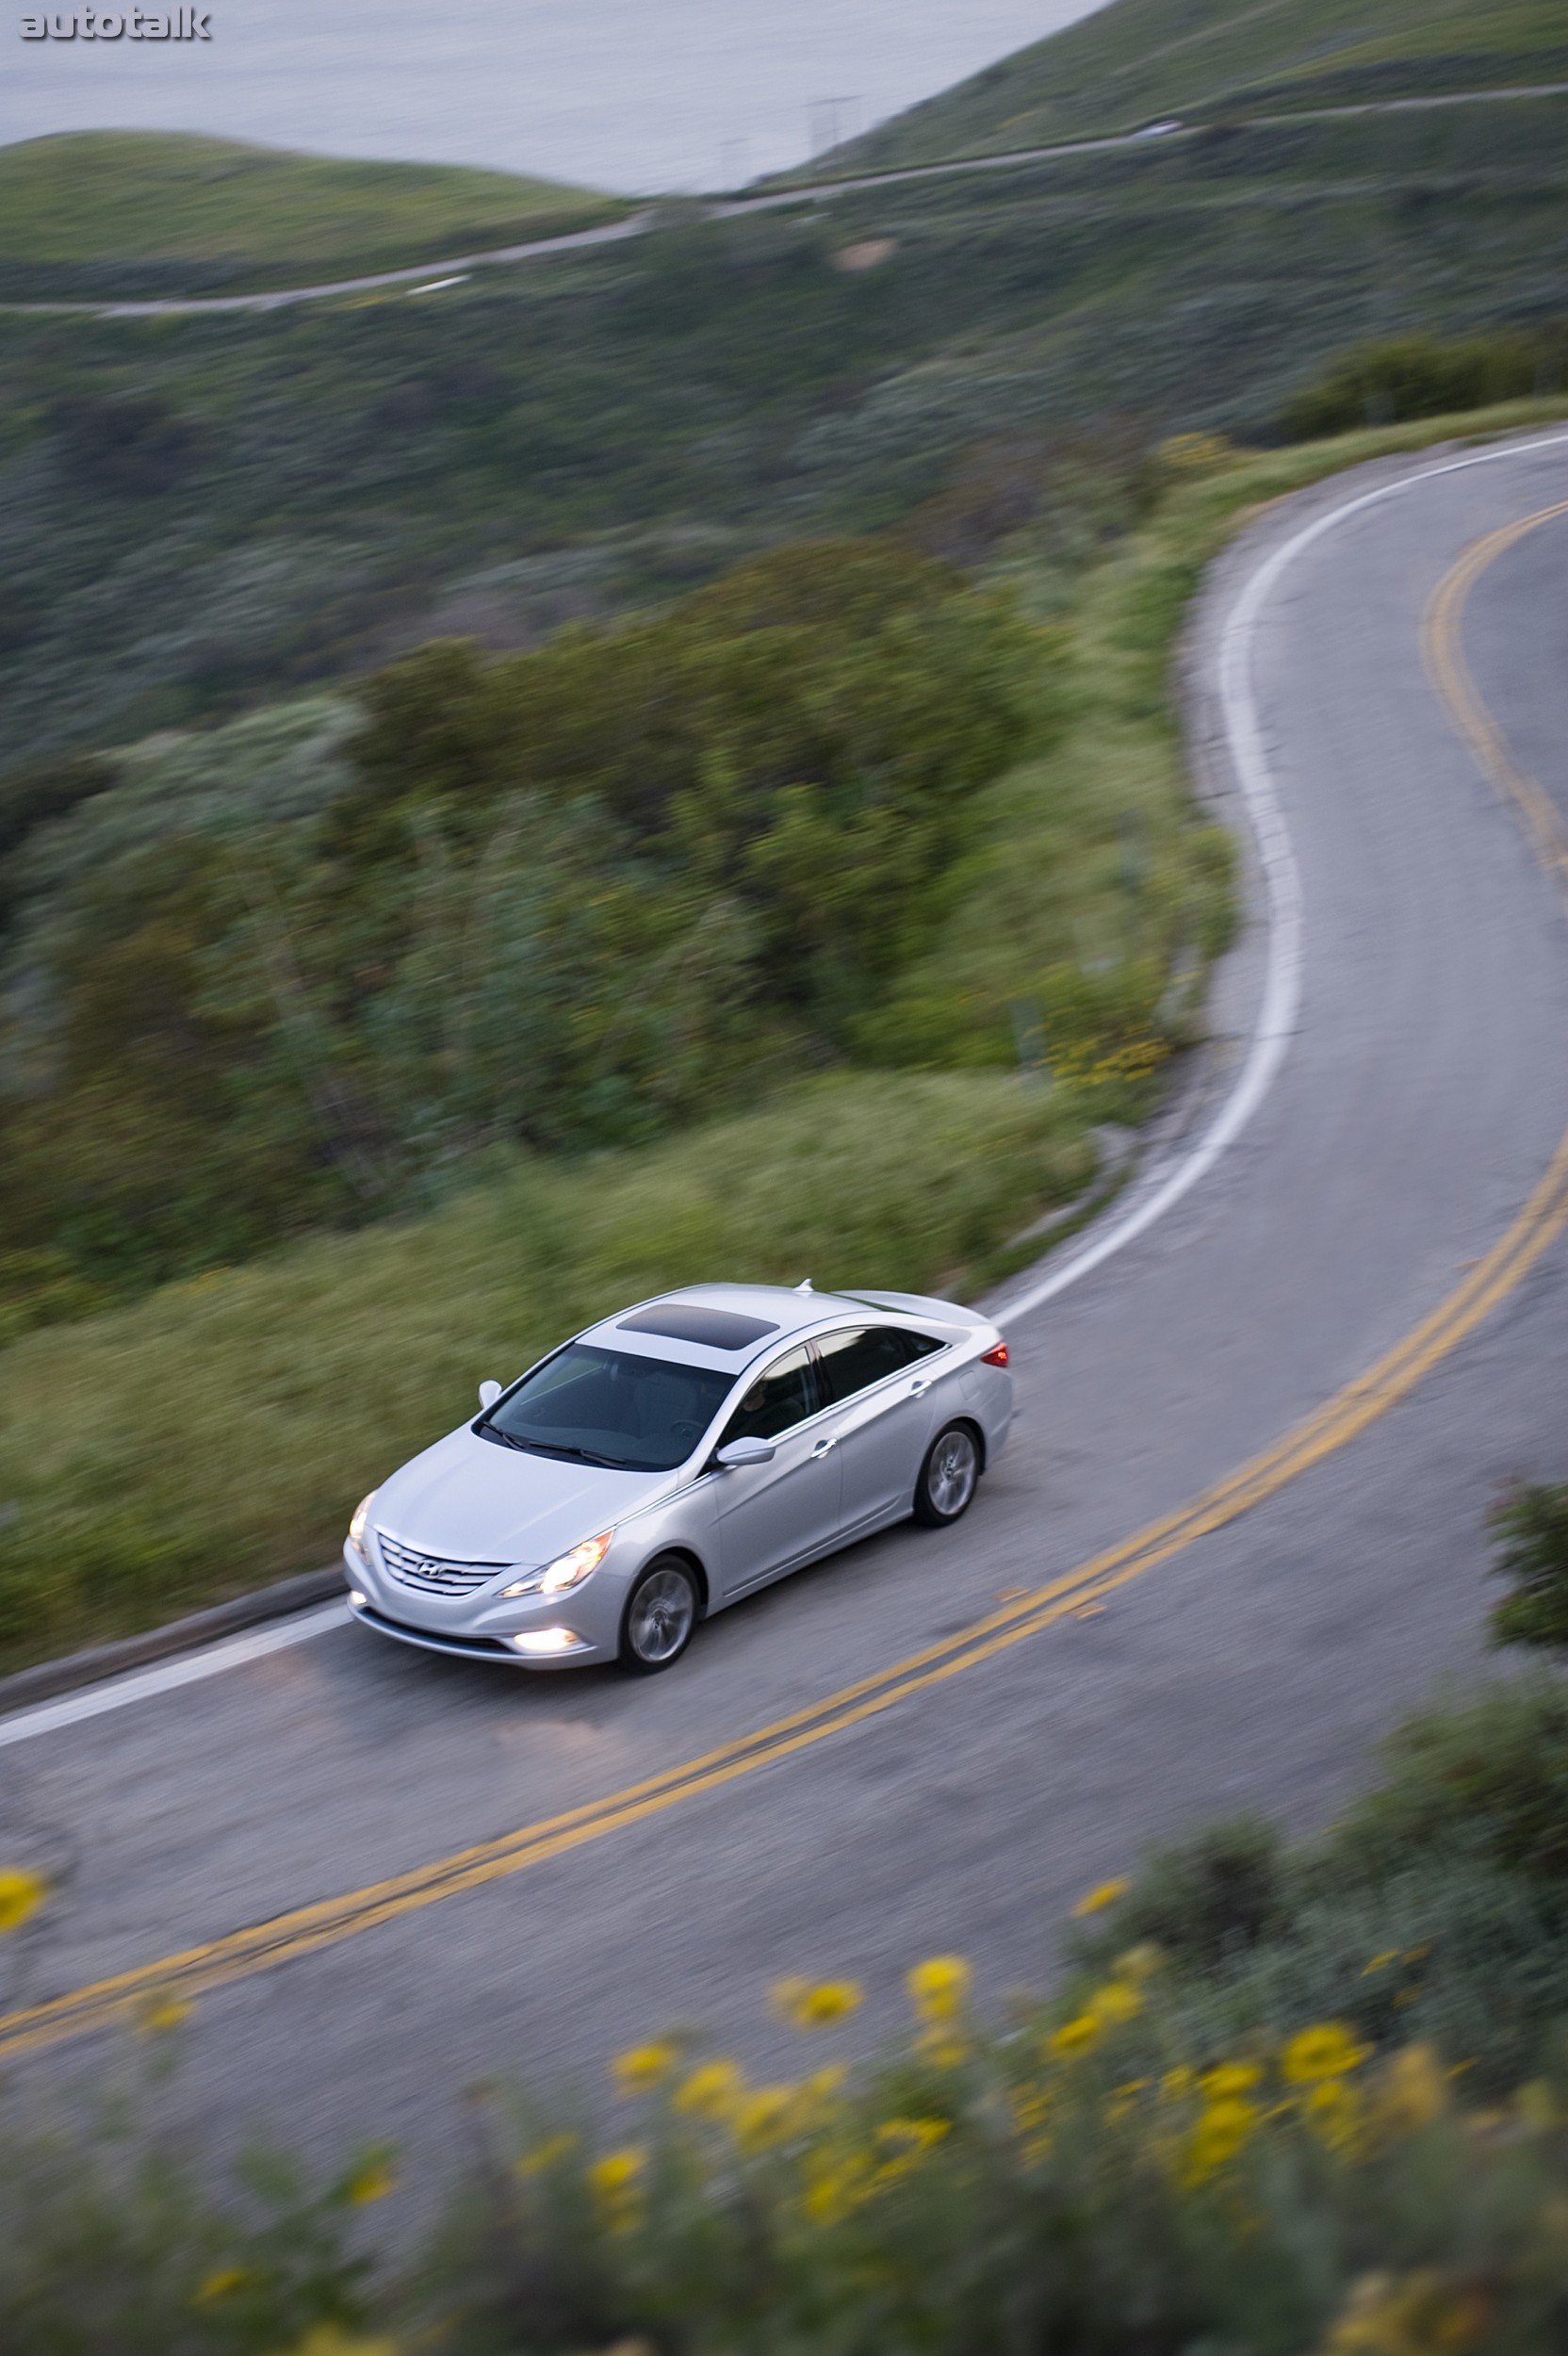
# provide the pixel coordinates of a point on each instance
(607, 1407)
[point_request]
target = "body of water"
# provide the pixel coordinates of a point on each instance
(627, 94)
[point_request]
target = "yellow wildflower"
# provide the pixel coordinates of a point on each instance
(21, 1895)
(939, 1988)
(807, 2004)
(643, 2068)
(222, 2284)
(1117, 2002)
(544, 2156)
(616, 2185)
(371, 2182)
(1195, 453)
(1220, 2131)
(1228, 2079)
(1139, 1963)
(1104, 1894)
(1333, 2112)
(160, 2012)
(1409, 2315)
(1076, 2036)
(712, 2091)
(1327, 2051)
(1380, 1963)
(1537, 2108)
(329, 2339)
(766, 2118)
(1412, 2091)
(905, 2142)
(1176, 2083)
(942, 2048)
(834, 2191)
(823, 2084)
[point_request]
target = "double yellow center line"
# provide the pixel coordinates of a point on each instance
(305, 1930)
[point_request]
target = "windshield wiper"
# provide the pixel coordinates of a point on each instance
(563, 1447)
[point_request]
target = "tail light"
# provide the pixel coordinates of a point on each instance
(997, 1357)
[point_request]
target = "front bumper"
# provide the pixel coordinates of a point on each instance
(377, 1603)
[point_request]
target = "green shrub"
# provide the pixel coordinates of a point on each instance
(1437, 1906)
(1424, 376)
(1531, 1526)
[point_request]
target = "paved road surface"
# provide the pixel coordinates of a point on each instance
(1423, 1095)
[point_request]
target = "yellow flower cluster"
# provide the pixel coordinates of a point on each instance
(851, 2178)
(1195, 453)
(1423, 2314)
(643, 2068)
(818, 2005)
(616, 2184)
(21, 1895)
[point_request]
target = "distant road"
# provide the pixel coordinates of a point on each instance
(1239, 1525)
(424, 275)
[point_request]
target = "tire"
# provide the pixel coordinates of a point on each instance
(660, 1615)
(949, 1477)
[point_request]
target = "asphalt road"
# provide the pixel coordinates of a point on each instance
(431, 277)
(1422, 1095)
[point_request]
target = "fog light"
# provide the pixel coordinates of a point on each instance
(357, 1599)
(546, 1639)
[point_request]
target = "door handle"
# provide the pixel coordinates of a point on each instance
(919, 1387)
(823, 1446)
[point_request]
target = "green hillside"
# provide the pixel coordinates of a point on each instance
(125, 212)
(1207, 60)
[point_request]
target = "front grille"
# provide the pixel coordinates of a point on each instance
(432, 1574)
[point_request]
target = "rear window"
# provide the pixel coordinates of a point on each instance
(597, 1406)
(853, 1362)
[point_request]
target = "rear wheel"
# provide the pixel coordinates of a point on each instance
(660, 1613)
(949, 1477)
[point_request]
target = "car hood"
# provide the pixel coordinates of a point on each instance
(475, 1502)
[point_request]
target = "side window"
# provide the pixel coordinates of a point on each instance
(780, 1397)
(853, 1362)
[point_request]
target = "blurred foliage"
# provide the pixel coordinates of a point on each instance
(1422, 376)
(197, 511)
(1123, 2167)
(1437, 1906)
(1531, 1527)
(559, 899)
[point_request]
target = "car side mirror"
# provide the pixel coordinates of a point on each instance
(489, 1393)
(747, 1451)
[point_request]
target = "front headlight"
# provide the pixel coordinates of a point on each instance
(357, 1528)
(568, 1570)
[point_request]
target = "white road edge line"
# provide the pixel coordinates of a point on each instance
(1281, 1003)
(190, 1669)
(1271, 1037)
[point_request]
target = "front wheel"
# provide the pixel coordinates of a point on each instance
(948, 1478)
(660, 1613)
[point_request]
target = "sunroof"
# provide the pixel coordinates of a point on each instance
(712, 1329)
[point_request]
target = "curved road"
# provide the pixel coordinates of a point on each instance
(1388, 1185)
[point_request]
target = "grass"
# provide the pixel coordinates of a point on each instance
(217, 1433)
(1209, 60)
(162, 212)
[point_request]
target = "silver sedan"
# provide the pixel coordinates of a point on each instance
(673, 1459)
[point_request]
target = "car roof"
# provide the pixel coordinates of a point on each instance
(766, 1316)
